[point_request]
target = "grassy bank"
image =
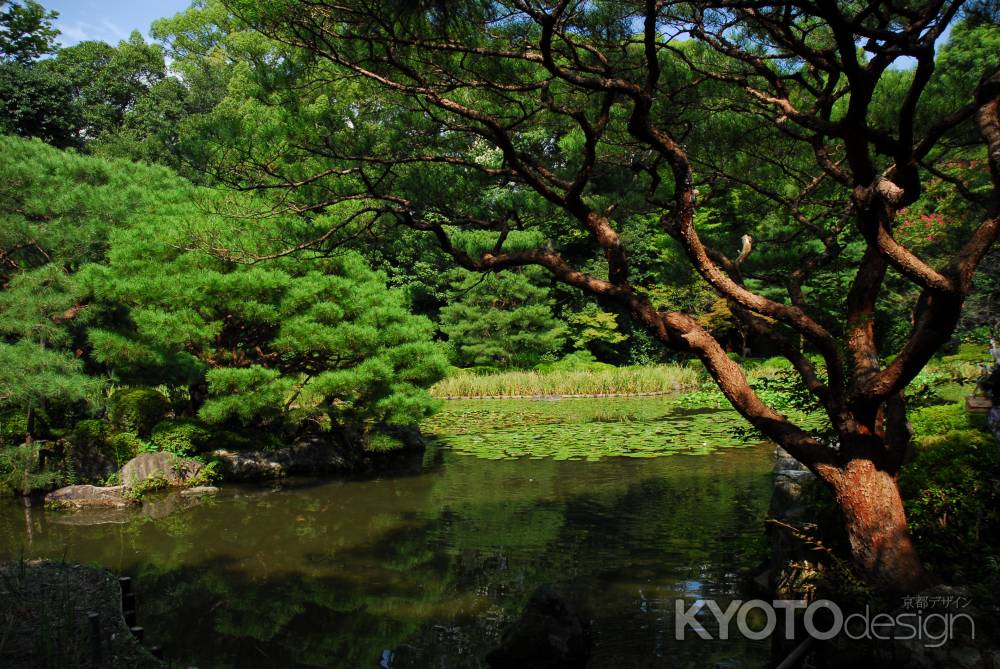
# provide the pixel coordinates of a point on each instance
(532, 383)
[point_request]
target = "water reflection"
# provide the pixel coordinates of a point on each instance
(426, 570)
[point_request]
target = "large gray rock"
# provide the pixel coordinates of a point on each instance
(328, 454)
(795, 496)
(248, 465)
(175, 470)
(89, 496)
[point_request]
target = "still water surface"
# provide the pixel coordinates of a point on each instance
(425, 570)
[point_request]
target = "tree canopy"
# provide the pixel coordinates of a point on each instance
(768, 148)
(100, 279)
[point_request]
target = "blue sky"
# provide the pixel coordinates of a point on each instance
(108, 20)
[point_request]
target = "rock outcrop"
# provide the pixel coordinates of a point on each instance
(166, 469)
(318, 455)
(173, 469)
(90, 497)
(792, 513)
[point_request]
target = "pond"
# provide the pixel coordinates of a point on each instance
(624, 505)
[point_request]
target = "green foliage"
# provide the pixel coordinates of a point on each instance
(59, 211)
(380, 443)
(784, 390)
(951, 491)
(26, 31)
(91, 431)
(246, 395)
(503, 320)
(13, 426)
(275, 344)
(59, 207)
(209, 473)
(19, 472)
(56, 212)
(37, 101)
(124, 446)
(580, 429)
(151, 484)
(592, 325)
(575, 361)
(938, 419)
(137, 410)
(777, 384)
(109, 81)
(181, 437)
(82, 93)
(974, 352)
(32, 376)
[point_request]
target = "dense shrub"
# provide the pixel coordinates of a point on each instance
(383, 442)
(575, 361)
(137, 410)
(14, 425)
(952, 493)
(91, 431)
(938, 419)
(124, 446)
(181, 437)
(19, 471)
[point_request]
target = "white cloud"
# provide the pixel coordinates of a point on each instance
(72, 33)
(105, 29)
(113, 28)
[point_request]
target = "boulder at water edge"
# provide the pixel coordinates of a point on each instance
(89, 496)
(173, 469)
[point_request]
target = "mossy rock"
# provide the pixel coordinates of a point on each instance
(182, 437)
(138, 410)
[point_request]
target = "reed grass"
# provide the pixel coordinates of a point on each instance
(650, 380)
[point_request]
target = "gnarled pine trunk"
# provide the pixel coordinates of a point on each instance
(876, 527)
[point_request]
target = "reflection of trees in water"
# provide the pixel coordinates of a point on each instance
(434, 566)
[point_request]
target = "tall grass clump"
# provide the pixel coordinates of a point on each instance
(537, 383)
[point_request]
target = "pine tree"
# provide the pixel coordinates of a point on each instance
(500, 320)
(281, 342)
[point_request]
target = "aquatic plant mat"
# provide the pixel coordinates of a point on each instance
(588, 429)
(45, 622)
